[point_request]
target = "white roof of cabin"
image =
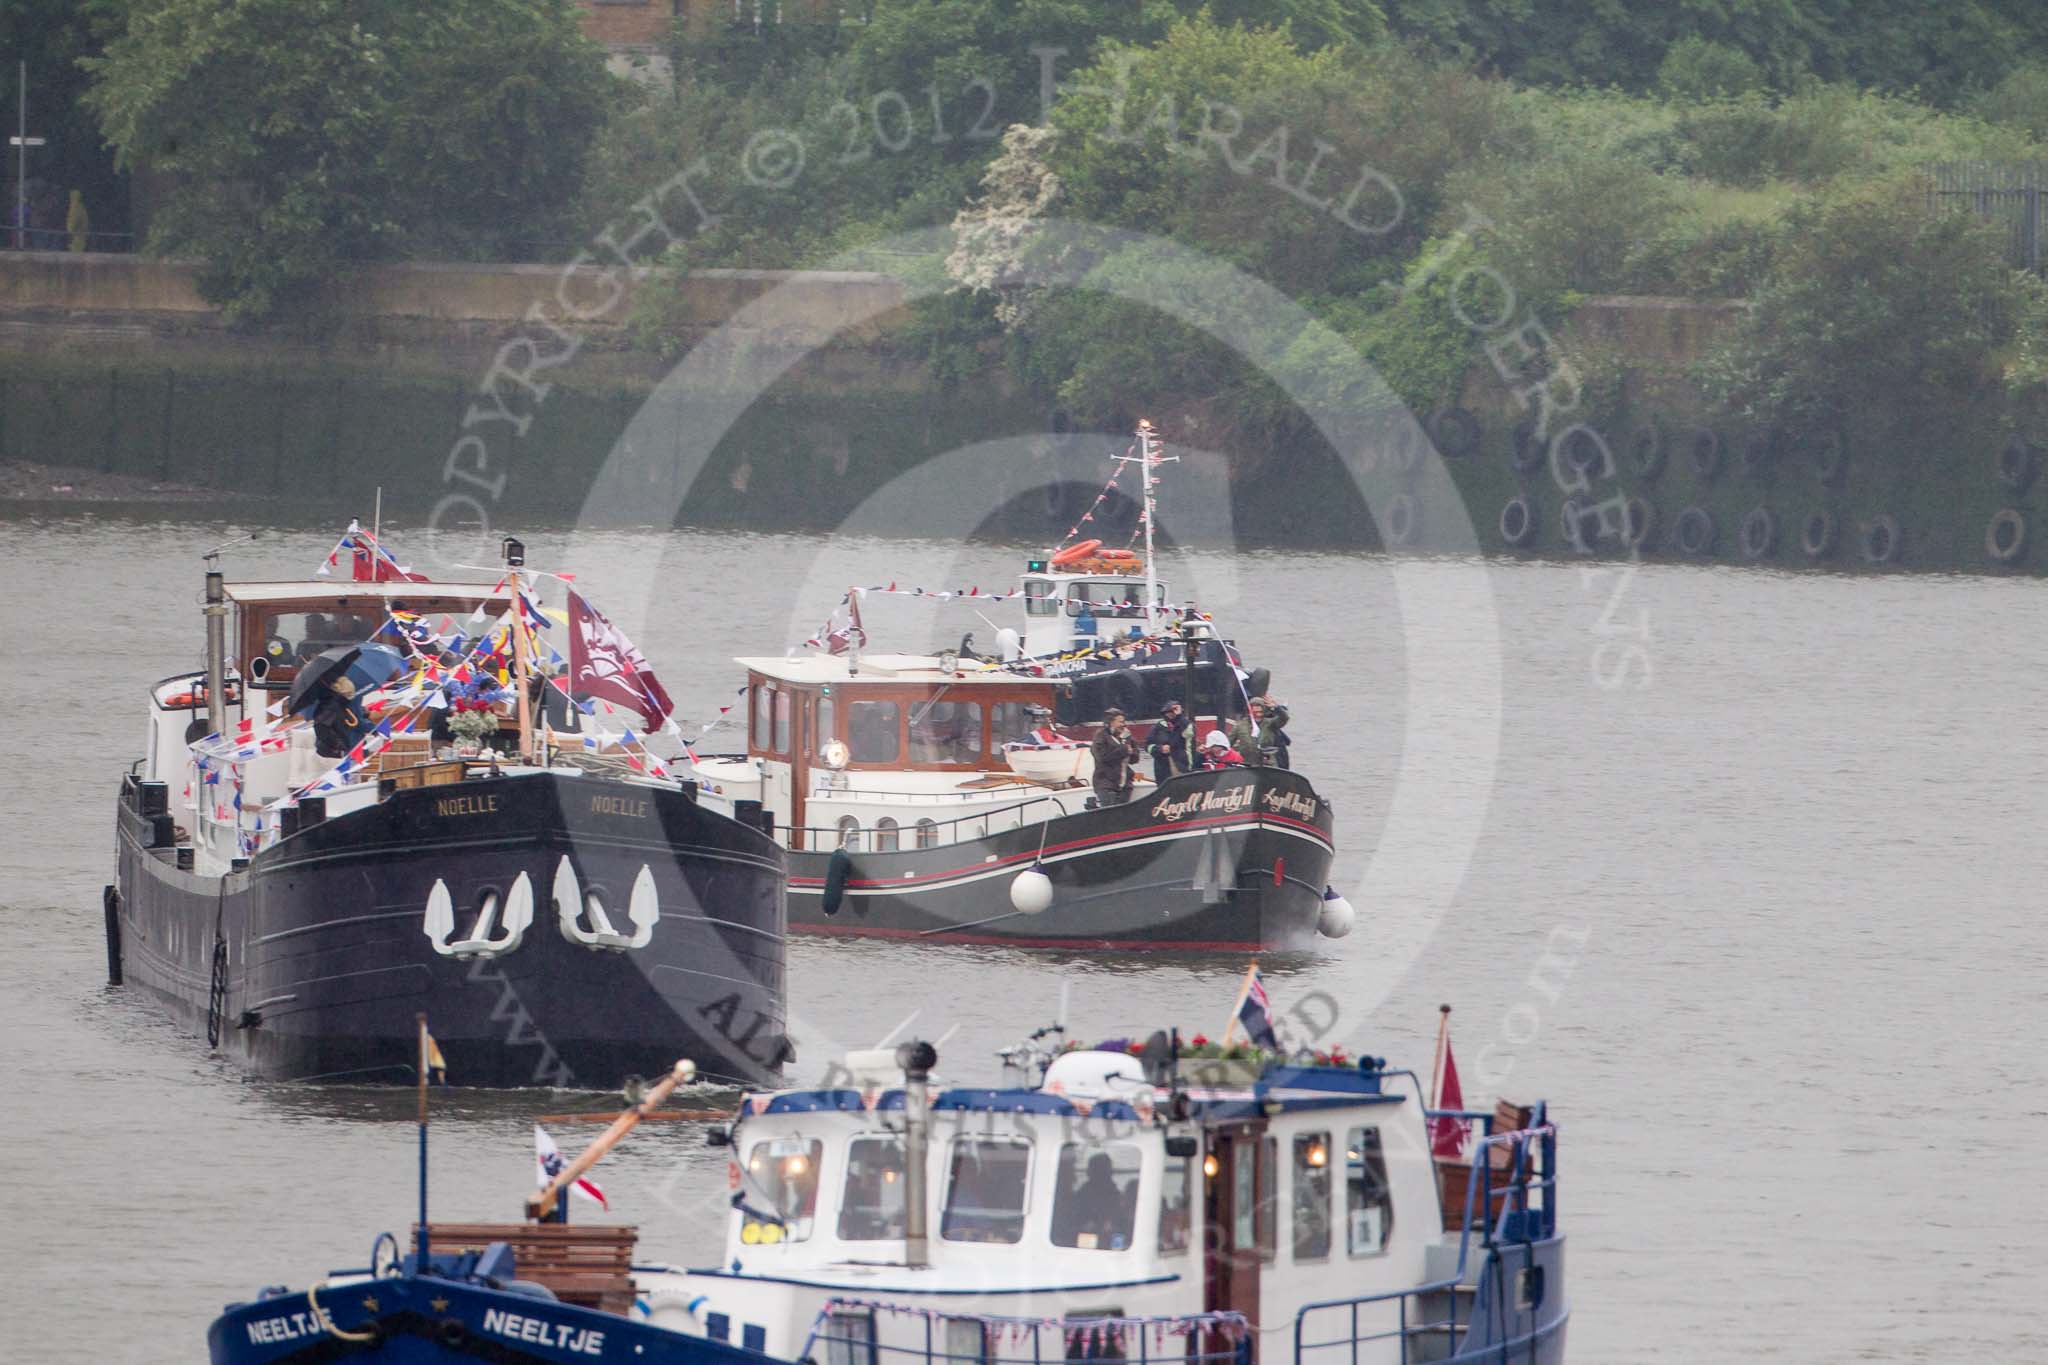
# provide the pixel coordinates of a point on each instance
(879, 669)
(341, 589)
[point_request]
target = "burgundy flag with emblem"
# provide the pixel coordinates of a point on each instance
(604, 663)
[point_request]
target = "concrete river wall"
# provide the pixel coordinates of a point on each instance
(116, 363)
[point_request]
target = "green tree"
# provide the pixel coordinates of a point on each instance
(1874, 305)
(301, 135)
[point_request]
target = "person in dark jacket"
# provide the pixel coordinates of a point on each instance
(1115, 750)
(1168, 742)
(338, 721)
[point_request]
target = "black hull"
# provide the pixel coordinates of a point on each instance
(1141, 686)
(329, 954)
(1232, 860)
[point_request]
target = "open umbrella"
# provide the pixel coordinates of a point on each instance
(364, 665)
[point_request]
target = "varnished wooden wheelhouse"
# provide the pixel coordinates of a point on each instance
(891, 713)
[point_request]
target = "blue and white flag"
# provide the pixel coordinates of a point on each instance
(1255, 1012)
(548, 1163)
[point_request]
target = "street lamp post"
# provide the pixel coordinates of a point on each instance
(21, 142)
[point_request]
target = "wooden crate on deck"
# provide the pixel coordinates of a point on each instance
(587, 1264)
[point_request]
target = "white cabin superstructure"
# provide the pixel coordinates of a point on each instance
(1213, 1213)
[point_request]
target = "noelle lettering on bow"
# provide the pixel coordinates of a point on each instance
(631, 807)
(467, 805)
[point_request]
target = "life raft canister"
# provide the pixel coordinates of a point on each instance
(1074, 552)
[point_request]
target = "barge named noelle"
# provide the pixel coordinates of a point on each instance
(565, 907)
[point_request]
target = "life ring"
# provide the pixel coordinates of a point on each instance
(1705, 453)
(1571, 523)
(1881, 539)
(1646, 452)
(1830, 459)
(1518, 520)
(1455, 431)
(1759, 533)
(1116, 554)
(1527, 451)
(110, 902)
(2017, 465)
(1817, 537)
(837, 870)
(1696, 532)
(1073, 552)
(1759, 448)
(1403, 517)
(1639, 523)
(2005, 539)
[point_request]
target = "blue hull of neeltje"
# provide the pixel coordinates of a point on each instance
(426, 1318)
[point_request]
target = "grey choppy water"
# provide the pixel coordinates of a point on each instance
(1787, 1021)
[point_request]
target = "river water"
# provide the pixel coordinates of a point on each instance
(1760, 921)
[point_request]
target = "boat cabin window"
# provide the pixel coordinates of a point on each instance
(1368, 1198)
(850, 1337)
(1311, 1196)
(827, 731)
(782, 723)
(764, 711)
(1176, 1203)
(872, 1208)
(986, 1189)
(885, 835)
(1012, 722)
(1038, 598)
(1269, 1196)
(966, 1341)
(1110, 599)
(946, 732)
(927, 832)
(873, 731)
(1095, 1204)
(849, 834)
(783, 1173)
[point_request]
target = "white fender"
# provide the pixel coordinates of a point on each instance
(1337, 917)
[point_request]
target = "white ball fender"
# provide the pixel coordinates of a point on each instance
(1337, 916)
(1031, 892)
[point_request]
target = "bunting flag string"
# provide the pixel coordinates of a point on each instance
(1074, 531)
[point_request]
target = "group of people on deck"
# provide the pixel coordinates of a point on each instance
(1257, 739)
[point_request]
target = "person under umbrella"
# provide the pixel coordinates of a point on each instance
(339, 721)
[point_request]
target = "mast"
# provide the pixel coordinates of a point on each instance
(1145, 439)
(515, 559)
(216, 646)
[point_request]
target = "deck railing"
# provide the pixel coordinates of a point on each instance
(1527, 1195)
(937, 834)
(850, 1332)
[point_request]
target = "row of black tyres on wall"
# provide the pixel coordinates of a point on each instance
(1695, 534)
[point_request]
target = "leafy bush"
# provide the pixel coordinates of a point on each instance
(1574, 221)
(2020, 101)
(1697, 68)
(1873, 304)
(298, 135)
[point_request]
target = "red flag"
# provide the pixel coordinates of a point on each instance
(1447, 1135)
(839, 638)
(604, 663)
(370, 562)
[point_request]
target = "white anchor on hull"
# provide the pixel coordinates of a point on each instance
(512, 919)
(574, 908)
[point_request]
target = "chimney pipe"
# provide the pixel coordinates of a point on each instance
(917, 1059)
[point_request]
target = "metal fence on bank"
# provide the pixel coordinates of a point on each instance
(2005, 192)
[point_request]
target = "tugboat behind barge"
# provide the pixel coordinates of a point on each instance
(570, 916)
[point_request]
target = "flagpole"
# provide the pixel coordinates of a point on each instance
(1436, 1065)
(421, 1020)
(1244, 988)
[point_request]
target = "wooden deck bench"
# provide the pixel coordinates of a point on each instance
(587, 1264)
(1454, 1178)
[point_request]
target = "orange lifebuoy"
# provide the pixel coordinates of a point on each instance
(1074, 552)
(1116, 554)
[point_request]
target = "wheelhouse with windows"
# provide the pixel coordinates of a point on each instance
(1290, 1210)
(890, 751)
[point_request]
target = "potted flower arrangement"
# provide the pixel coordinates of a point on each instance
(470, 718)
